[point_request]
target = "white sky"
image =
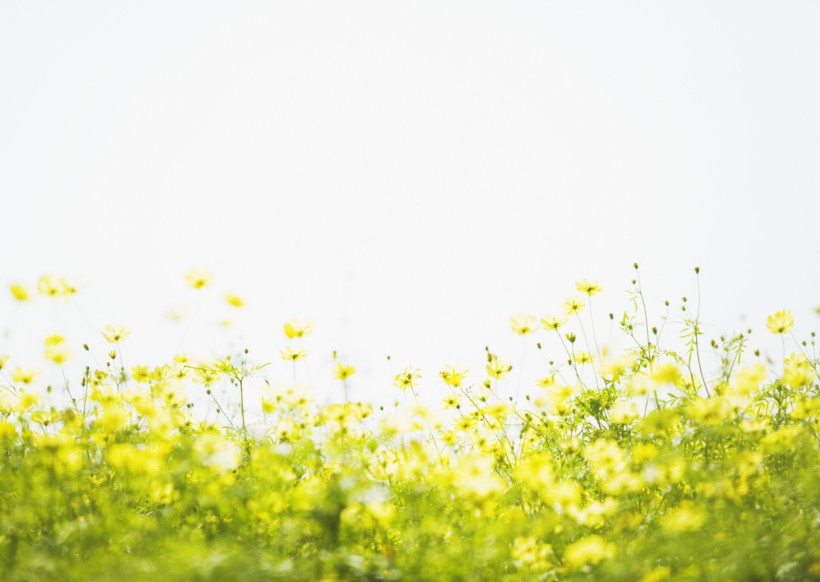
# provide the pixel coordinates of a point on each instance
(405, 174)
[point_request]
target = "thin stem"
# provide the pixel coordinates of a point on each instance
(222, 410)
(697, 345)
(521, 369)
(586, 343)
(592, 322)
(571, 359)
(645, 315)
(122, 366)
(242, 408)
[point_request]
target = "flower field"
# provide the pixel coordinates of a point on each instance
(677, 456)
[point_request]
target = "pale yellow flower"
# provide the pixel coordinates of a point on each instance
(452, 376)
(292, 354)
(781, 322)
(50, 285)
(588, 287)
(552, 322)
(19, 375)
(114, 334)
(343, 372)
(56, 350)
(573, 305)
(546, 381)
(407, 378)
(523, 323)
(54, 340)
(582, 357)
(588, 551)
(68, 287)
(296, 329)
(496, 368)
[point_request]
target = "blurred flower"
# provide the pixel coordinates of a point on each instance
(546, 381)
(114, 334)
(198, 278)
(407, 378)
(292, 354)
(451, 401)
(588, 287)
(452, 376)
(588, 551)
(48, 285)
(780, 322)
(234, 300)
(343, 372)
(523, 323)
(23, 376)
(496, 368)
(296, 329)
(56, 350)
(552, 322)
(20, 292)
(582, 357)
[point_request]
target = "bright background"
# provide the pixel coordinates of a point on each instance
(405, 175)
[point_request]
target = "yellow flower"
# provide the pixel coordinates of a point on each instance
(552, 322)
(522, 324)
(141, 373)
(475, 478)
(50, 285)
(20, 292)
(497, 368)
(546, 381)
(452, 376)
(23, 376)
(582, 357)
(667, 373)
(683, 519)
(3, 359)
(67, 287)
(407, 378)
(56, 351)
(295, 329)
(343, 372)
(780, 322)
(114, 334)
(588, 551)
(234, 300)
(451, 401)
(54, 340)
(531, 554)
(573, 305)
(198, 278)
(292, 354)
(589, 287)
(798, 371)
(624, 412)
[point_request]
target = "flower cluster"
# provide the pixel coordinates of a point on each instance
(642, 463)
